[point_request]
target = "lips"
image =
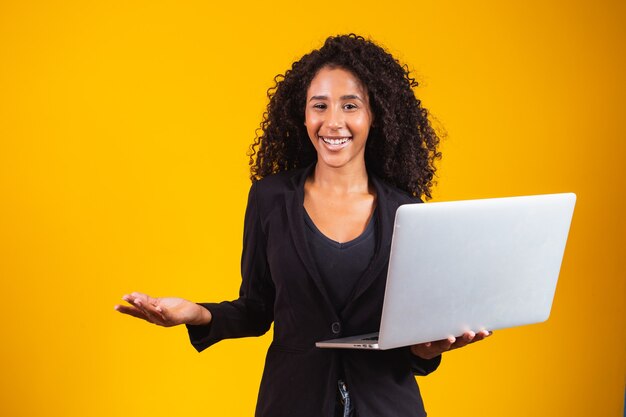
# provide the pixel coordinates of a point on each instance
(336, 140)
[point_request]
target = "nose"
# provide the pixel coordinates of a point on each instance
(335, 119)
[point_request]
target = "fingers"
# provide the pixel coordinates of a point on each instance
(431, 349)
(143, 307)
(470, 337)
(131, 311)
(154, 316)
(425, 350)
(446, 344)
(482, 335)
(464, 340)
(440, 346)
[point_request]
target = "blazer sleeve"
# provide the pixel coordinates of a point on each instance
(422, 367)
(253, 312)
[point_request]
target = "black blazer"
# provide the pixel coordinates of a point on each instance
(281, 284)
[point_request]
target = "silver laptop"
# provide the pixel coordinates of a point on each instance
(469, 265)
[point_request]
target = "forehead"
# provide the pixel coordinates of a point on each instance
(332, 81)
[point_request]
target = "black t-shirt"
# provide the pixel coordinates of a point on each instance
(341, 264)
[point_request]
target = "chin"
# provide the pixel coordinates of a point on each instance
(337, 163)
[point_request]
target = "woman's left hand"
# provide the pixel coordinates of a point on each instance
(430, 350)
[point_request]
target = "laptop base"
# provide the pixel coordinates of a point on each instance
(363, 341)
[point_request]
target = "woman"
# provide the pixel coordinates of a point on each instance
(344, 142)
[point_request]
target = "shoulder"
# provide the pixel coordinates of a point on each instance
(393, 194)
(269, 191)
(279, 183)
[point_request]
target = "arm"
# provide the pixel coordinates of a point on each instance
(253, 312)
(250, 315)
(423, 367)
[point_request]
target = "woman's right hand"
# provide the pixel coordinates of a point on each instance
(164, 311)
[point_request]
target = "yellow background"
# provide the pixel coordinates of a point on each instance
(121, 121)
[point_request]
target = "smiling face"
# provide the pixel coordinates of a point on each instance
(338, 118)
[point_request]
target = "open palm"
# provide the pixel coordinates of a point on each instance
(163, 311)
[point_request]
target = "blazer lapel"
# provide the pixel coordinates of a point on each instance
(294, 201)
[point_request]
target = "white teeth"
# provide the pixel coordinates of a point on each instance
(335, 141)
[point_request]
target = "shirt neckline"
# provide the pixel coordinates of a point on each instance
(369, 229)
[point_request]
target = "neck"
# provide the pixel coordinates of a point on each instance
(340, 180)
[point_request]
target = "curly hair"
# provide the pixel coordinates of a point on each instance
(402, 145)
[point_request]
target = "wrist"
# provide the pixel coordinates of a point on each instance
(203, 317)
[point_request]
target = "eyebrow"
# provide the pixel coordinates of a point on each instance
(346, 97)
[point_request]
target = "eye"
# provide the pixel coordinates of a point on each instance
(320, 106)
(350, 106)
